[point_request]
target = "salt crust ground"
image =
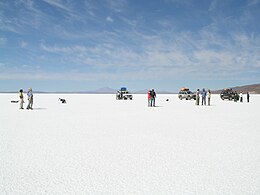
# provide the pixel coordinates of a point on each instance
(95, 144)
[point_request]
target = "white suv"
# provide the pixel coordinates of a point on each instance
(186, 94)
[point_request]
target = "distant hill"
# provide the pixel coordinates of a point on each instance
(144, 91)
(103, 90)
(108, 90)
(253, 89)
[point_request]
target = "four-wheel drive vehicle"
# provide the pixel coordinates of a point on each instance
(228, 93)
(123, 94)
(185, 93)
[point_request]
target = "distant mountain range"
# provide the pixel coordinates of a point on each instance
(253, 89)
(108, 90)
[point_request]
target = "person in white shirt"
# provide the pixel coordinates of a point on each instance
(241, 96)
(209, 96)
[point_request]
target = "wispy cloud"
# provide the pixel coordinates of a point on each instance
(213, 5)
(109, 19)
(3, 40)
(59, 4)
(117, 5)
(96, 40)
(253, 2)
(23, 44)
(159, 56)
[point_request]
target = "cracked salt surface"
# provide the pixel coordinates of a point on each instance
(95, 144)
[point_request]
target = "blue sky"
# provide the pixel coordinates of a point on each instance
(68, 45)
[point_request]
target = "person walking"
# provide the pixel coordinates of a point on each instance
(241, 96)
(198, 97)
(203, 95)
(153, 96)
(21, 98)
(149, 97)
(209, 96)
(30, 99)
(247, 96)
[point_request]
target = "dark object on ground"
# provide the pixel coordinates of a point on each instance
(167, 100)
(14, 101)
(62, 100)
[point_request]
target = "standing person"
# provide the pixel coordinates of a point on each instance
(149, 97)
(30, 99)
(203, 95)
(241, 96)
(209, 96)
(198, 97)
(21, 98)
(235, 96)
(153, 96)
(247, 96)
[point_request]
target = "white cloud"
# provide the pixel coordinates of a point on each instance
(213, 5)
(253, 2)
(23, 44)
(166, 54)
(27, 3)
(57, 49)
(109, 19)
(117, 5)
(58, 4)
(138, 49)
(3, 40)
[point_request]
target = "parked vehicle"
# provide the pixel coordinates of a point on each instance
(123, 94)
(185, 93)
(228, 94)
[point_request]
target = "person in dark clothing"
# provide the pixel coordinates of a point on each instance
(236, 97)
(247, 96)
(198, 97)
(153, 96)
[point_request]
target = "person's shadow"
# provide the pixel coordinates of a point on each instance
(39, 108)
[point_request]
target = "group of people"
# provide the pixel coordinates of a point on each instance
(29, 97)
(239, 97)
(204, 95)
(207, 95)
(151, 98)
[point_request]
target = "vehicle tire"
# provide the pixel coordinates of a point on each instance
(180, 98)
